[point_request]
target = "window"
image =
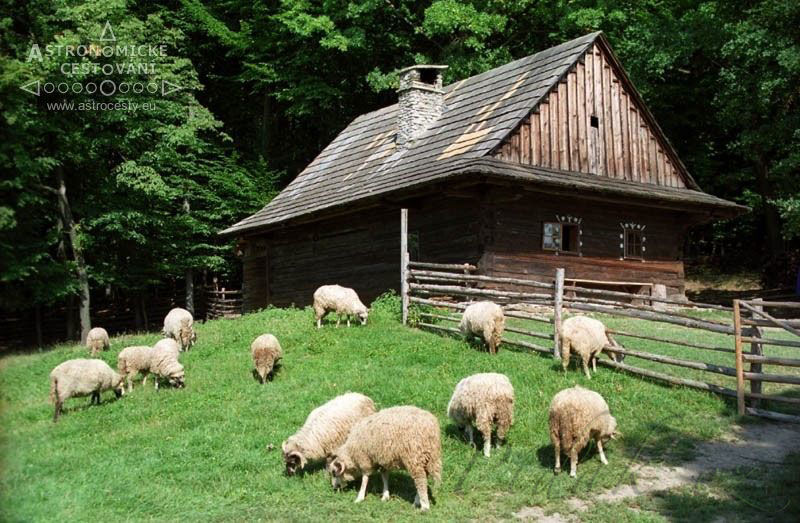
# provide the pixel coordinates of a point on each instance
(633, 240)
(413, 246)
(561, 237)
(594, 121)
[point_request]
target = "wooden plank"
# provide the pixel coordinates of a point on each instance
(635, 145)
(737, 332)
(776, 321)
(599, 111)
(654, 316)
(608, 129)
(619, 170)
(416, 274)
(773, 378)
(527, 345)
(689, 364)
(444, 266)
(544, 110)
(583, 123)
(525, 142)
(404, 263)
(769, 341)
(554, 130)
(670, 342)
(515, 147)
(769, 360)
(768, 397)
(591, 132)
(572, 110)
(644, 143)
(626, 136)
(457, 290)
(563, 127)
(536, 139)
(775, 416)
(669, 379)
(654, 159)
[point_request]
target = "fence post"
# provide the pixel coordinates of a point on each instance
(737, 331)
(404, 262)
(758, 350)
(558, 300)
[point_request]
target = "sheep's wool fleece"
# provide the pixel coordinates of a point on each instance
(168, 345)
(481, 395)
(343, 300)
(82, 377)
(164, 361)
(574, 413)
(97, 339)
(134, 359)
(485, 319)
(327, 427)
(265, 351)
(404, 437)
(586, 335)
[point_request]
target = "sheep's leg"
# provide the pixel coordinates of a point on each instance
(468, 431)
(319, 323)
(557, 450)
(421, 499)
(363, 492)
(586, 368)
(338, 319)
(602, 454)
(385, 477)
(144, 381)
(155, 379)
(95, 398)
(573, 463)
(57, 413)
(484, 425)
(348, 321)
(594, 363)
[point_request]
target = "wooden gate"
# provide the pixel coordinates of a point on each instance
(770, 339)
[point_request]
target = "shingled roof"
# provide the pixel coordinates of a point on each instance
(363, 160)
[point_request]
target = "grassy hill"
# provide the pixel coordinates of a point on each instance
(212, 450)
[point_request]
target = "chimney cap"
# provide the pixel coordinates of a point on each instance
(420, 66)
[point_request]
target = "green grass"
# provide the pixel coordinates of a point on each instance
(202, 452)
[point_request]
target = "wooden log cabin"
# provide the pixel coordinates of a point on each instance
(549, 161)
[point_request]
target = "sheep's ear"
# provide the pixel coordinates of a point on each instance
(337, 468)
(616, 434)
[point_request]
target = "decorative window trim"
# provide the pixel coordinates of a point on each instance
(570, 221)
(623, 243)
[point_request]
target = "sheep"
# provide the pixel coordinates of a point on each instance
(586, 337)
(325, 429)
(178, 326)
(577, 415)
(266, 352)
(342, 301)
(483, 400)
(164, 363)
(82, 377)
(97, 340)
(402, 437)
(168, 344)
(132, 360)
(486, 320)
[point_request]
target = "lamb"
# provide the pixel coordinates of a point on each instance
(342, 301)
(576, 415)
(178, 326)
(164, 363)
(82, 377)
(132, 360)
(325, 429)
(486, 320)
(483, 400)
(586, 337)
(97, 340)
(403, 437)
(266, 352)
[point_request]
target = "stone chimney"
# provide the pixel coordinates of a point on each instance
(421, 101)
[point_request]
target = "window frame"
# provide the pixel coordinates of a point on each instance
(561, 224)
(637, 230)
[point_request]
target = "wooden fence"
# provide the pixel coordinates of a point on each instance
(714, 363)
(223, 303)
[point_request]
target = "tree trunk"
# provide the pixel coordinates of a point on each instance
(772, 222)
(77, 255)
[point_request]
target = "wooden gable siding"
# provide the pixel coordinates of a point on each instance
(559, 134)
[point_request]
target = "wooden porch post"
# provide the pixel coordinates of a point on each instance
(404, 262)
(558, 300)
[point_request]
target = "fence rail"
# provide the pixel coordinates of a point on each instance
(223, 303)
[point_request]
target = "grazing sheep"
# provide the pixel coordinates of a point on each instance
(266, 352)
(486, 320)
(586, 337)
(483, 400)
(342, 301)
(403, 437)
(164, 364)
(178, 326)
(168, 344)
(325, 429)
(82, 377)
(132, 360)
(577, 415)
(97, 340)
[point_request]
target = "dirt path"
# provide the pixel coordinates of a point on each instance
(744, 446)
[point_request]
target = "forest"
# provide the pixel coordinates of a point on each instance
(132, 132)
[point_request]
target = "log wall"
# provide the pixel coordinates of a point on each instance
(560, 132)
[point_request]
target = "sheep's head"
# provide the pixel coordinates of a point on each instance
(292, 457)
(362, 314)
(609, 430)
(176, 379)
(341, 468)
(118, 385)
(187, 336)
(614, 356)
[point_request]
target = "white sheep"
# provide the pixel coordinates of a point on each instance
(178, 325)
(266, 352)
(483, 400)
(164, 364)
(325, 429)
(168, 344)
(586, 337)
(133, 360)
(342, 301)
(82, 377)
(484, 319)
(577, 415)
(97, 340)
(403, 437)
